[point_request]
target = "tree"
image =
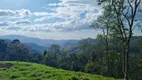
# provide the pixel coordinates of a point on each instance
(54, 48)
(36, 57)
(140, 45)
(3, 47)
(52, 56)
(104, 23)
(17, 51)
(85, 46)
(124, 17)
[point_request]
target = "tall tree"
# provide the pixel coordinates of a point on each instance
(104, 23)
(125, 12)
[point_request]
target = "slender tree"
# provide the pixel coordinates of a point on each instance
(124, 17)
(104, 23)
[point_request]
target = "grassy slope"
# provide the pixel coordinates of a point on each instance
(33, 71)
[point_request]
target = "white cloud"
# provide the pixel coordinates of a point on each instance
(75, 15)
(43, 14)
(23, 22)
(4, 23)
(52, 35)
(15, 23)
(42, 18)
(15, 13)
(67, 26)
(52, 4)
(55, 4)
(91, 2)
(71, 11)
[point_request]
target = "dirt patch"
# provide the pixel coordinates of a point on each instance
(84, 79)
(5, 65)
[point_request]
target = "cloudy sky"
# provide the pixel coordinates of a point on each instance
(49, 19)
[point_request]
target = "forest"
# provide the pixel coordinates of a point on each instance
(89, 56)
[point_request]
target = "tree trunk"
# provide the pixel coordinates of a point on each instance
(108, 58)
(127, 64)
(124, 62)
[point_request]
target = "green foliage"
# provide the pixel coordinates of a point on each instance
(135, 67)
(3, 47)
(89, 57)
(17, 51)
(33, 71)
(89, 68)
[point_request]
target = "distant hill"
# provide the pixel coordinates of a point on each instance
(41, 42)
(75, 49)
(32, 71)
(34, 48)
(37, 45)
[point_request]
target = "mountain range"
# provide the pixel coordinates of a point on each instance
(39, 45)
(41, 42)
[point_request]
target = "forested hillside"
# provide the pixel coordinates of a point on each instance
(89, 56)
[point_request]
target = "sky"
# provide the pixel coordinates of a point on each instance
(49, 19)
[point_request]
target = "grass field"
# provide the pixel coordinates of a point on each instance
(33, 71)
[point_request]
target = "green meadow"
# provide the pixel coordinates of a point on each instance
(33, 71)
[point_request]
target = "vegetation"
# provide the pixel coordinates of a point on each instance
(89, 56)
(33, 71)
(119, 21)
(114, 53)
